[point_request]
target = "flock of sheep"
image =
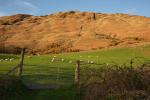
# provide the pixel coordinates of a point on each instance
(54, 59)
(7, 59)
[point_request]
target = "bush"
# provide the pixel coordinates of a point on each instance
(117, 83)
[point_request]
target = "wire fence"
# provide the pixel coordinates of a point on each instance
(61, 71)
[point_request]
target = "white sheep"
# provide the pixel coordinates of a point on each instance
(7, 59)
(81, 60)
(29, 56)
(92, 62)
(107, 64)
(70, 61)
(38, 54)
(89, 56)
(62, 60)
(10, 59)
(52, 59)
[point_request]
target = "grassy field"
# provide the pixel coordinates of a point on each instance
(41, 68)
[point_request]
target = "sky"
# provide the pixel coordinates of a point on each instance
(44, 7)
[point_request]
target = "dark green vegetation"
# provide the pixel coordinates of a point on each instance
(115, 82)
(70, 93)
(11, 88)
(41, 69)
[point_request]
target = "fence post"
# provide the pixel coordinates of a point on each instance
(77, 73)
(131, 64)
(20, 66)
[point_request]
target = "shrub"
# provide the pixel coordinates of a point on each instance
(117, 83)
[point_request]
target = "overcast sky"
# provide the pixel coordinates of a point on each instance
(43, 7)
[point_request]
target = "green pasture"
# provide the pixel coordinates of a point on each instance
(41, 69)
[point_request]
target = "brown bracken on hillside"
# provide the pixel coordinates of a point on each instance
(71, 31)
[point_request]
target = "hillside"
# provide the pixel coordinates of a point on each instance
(72, 31)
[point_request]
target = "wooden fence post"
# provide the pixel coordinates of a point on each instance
(131, 64)
(77, 73)
(20, 66)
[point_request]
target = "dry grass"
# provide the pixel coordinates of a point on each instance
(86, 30)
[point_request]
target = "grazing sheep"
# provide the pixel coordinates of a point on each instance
(92, 62)
(54, 56)
(70, 61)
(7, 59)
(38, 54)
(52, 59)
(62, 60)
(81, 60)
(88, 61)
(107, 64)
(10, 59)
(80, 56)
(89, 56)
(29, 56)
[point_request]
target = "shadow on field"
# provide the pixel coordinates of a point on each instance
(40, 78)
(107, 82)
(11, 88)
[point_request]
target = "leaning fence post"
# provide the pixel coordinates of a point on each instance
(20, 66)
(77, 73)
(131, 64)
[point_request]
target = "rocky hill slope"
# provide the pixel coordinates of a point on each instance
(71, 31)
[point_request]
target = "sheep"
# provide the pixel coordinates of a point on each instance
(52, 59)
(89, 56)
(6, 59)
(81, 60)
(29, 56)
(10, 59)
(62, 60)
(107, 64)
(88, 61)
(92, 62)
(70, 61)
(80, 56)
(38, 54)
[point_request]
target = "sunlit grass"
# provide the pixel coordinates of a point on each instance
(40, 69)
